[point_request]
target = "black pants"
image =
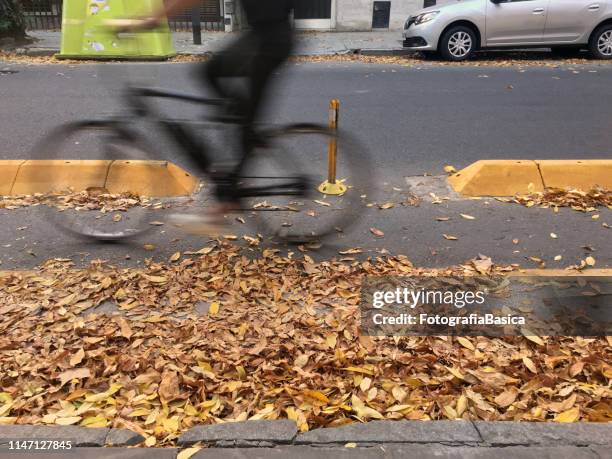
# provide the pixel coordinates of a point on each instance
(255, 56)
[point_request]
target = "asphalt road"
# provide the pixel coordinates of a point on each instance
(412, 120)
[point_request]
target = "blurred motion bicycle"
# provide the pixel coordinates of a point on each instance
(277, 185)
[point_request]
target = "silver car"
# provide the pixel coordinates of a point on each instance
(457, 28)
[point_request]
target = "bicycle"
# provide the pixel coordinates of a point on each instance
(277, 188)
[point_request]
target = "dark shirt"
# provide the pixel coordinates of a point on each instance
(261, 12)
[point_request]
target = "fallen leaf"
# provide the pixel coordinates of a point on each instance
(376, 232)
(77, 373)
(571, 415)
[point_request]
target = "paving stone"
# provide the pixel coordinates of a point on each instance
(123, 437)
(549, 433)
(281, 431)
(293, 452)
(79, 436)
(466, 452)
(458, 432)
(602, 452)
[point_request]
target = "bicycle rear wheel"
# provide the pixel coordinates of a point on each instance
(282, 184)
(75, 191)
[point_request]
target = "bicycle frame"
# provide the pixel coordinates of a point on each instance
(181, 134)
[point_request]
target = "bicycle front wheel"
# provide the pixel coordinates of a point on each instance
(72, 177)
(294, 191)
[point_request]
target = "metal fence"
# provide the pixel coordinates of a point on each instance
(43, 14)
(47, 15)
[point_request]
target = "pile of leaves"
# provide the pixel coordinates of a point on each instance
(584, 201)
(280, 339)
(91, 199)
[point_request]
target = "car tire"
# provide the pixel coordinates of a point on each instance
(458, 43)
(600, 44)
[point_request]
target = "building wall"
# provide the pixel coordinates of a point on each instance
(356, 15)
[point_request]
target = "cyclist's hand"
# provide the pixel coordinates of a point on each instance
(132, 25)
(148, 23)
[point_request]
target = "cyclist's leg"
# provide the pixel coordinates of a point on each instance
(275, 46)
(232, 62)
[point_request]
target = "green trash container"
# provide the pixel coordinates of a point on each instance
(85, 35)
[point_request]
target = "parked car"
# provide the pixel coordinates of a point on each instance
(459, 28)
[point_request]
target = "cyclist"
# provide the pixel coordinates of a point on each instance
(255, 56)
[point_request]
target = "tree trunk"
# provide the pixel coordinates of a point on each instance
(12, 20)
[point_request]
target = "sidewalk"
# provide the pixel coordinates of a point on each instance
(308, 43)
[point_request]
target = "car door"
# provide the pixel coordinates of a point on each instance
(515, 22)
(569, 20)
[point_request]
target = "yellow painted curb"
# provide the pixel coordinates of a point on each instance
(8, 173)
(580, 174)
(150, 178)
(497, 178)
(45, 176)
(145, 178)
(511, 177)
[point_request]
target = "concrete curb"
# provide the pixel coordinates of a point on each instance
(510, 177)
(454, 438)
(79, 436)
(145, 178)
(448, 433)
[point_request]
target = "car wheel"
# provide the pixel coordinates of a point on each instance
(600, 44)
(458, 43)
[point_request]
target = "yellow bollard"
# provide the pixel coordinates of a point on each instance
(331, 186)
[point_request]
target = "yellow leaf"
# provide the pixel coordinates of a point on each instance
(466, 343)
(77, 357)
(94, 421)
(301, 361)
(571, 415)
(532, 336)
(262, 414)
(449, 238)
(529, 364)
(214, 308)
(461, 405)
(316, 395)
(450, 412)
(150, 441)
(103, 395)
(6, 409)
(188, 452)
(394, 408)
(456, 373)
(175, 257)
(468, 217)
(351, 445)
(449, 169)
(331, 340)
(155, 279)
(68, 421)
(365, 384)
